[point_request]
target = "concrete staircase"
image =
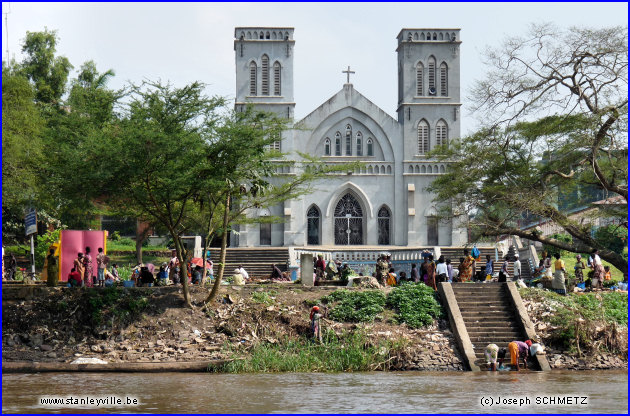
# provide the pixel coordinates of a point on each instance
(488, 315)
(256, 261)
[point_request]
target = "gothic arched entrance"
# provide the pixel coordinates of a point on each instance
(348, 221)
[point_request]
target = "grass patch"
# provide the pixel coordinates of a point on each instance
(350, 306)
(350, 351)
(415, 304)
(266, 298)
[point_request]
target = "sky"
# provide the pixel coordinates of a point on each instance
(186, 42)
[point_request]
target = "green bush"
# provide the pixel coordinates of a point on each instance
(348, 306)
(43, 245)
(415, 304)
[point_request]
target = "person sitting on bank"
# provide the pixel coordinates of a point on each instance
(196, 275)
(109, 279)
(391, 277)
(276, 274)
(331, 270)
(237, 277)
(607, 274)
(243, 273)
(518, 350)
(74, 278)
(146, 277)
(162, 276)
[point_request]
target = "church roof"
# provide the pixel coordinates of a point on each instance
(348, 97)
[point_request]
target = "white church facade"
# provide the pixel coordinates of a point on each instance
(384, 202)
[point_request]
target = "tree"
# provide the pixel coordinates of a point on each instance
(22, 128)
(47, 72)
(154, 162)
(554, 110)
(86, 117)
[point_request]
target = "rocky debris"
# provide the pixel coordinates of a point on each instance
(597, 362)
(35, 330)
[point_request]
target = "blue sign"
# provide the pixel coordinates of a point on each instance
(30, 222)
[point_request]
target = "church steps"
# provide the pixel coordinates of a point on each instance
(256, 261)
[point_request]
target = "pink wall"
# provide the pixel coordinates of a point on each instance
(75, 241)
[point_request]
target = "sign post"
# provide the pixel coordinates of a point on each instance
(30, 222)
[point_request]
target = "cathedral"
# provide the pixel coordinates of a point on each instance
(385, 201)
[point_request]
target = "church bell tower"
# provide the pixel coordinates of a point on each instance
(428, 88)
(264, 69)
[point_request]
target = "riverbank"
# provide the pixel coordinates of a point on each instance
(263, 328)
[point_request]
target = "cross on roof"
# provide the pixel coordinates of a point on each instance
(348, 72)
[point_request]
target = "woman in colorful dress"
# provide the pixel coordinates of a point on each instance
(579, 267)
(598, 271)
(87, 265)
(467, 268)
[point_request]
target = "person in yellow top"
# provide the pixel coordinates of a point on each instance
(607, 275)
(558, 277)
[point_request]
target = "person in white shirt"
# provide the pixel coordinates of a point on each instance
(517, 268)
(441, 271)
(242, 271)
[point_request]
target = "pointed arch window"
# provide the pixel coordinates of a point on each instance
(327, 147)
(277, 70)
(337, 144)
(423, 137)
(265, 74)
(253, 75)
(359, 144)
(348, 140)
(313, 218)
(348, 221)
(419, 79)
(370, 147)
(444, 80)
(384, 226)
(441, 133)
(432, 86)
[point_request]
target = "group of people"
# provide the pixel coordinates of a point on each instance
(82, 272)
(331, 270)
(519, 351)
(600, 273)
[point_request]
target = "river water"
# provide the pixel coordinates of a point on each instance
(379, 392)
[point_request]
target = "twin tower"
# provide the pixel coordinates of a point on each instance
(428, 78)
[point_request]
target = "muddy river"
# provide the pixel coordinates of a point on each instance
(399, 392)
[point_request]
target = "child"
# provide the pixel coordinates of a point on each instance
(607, 275)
